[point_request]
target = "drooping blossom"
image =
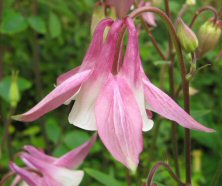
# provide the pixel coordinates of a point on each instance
(148, 17)
(117, 105)
(42, 169)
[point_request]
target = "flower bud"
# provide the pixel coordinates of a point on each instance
(186, 36)
(209, 35)
(14, 95)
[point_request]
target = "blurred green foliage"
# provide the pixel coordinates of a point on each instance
(55, 34)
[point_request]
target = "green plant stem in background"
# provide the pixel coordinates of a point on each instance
(153, 40)
(6, 139)
(183, 70)
(154, 138)
(172, 92)
(183, 10)
(128, 177)
(1, 61)
(37, 72)
(1, 47)
(149, 33)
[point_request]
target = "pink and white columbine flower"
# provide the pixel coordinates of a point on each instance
(117, 105)
(51, 171)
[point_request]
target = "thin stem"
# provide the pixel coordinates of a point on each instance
(154, 138)
(183, 10)
(149, 33)
(153, 40)
(1, 47)
(167, 6)
(183, 70)
(187, 135)
(6, 137)
(128, 177)
(37, 71)
(172, 90)
(167, 167)
(2, 119)
(175, 148)
(203, 9)
(188, 155)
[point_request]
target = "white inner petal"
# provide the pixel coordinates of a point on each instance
(82, 114)
(147, 123)
(68, 177)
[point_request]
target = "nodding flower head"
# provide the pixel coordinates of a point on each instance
(117, 105)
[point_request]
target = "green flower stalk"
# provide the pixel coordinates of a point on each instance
(186, 36)
(209, 35)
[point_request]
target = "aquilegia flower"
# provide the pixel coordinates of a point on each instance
(45, 170)
(118, 105)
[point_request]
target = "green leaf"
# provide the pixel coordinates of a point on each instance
(60, 150)
(24, 84)
(54, 25)
(75, 138)
(5, 83)
(37, 24)
(37, 142)
(31, 131)
(13, 22)
(200, 113)
(53, 130)
(105, 179)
